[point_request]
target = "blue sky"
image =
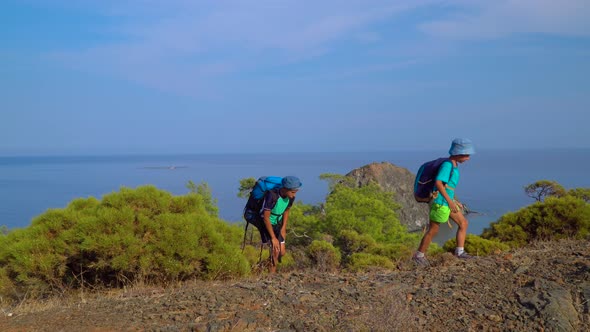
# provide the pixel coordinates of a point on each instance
(180, 76)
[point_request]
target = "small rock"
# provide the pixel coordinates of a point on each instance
(495, 318)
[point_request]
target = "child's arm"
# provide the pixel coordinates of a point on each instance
(440, 186)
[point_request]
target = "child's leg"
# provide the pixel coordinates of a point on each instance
(462, 222)
(283, 249)
(276, 254)
(433, 228)
(438, 214)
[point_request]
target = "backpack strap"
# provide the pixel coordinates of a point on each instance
(450, 175)
(270, 199)
(274, 196)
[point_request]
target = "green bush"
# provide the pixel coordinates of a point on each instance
(324, 255)
(350, 242)
(477, 246)
(254, 255)
(554, 218)
(364, 261)
(142, 234)
(393, 251)
(581, 193)
(366, 210)
(360, 220)
(305, 224)
(287, 263)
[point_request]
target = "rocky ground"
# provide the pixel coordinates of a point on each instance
(544, 287)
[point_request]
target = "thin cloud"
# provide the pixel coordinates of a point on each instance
(193, 44)
(496, 19)
(201, 40)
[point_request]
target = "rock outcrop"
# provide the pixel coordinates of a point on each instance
(400, 181)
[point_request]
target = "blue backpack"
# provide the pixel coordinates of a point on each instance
(425, 180)
(254, 204)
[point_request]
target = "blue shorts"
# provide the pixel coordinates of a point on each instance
(265, 237)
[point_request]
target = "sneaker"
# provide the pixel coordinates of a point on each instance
(420, 261)
(464, 255)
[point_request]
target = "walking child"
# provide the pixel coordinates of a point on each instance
(444, 205)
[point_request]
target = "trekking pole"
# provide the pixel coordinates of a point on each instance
(271, 254)
(260, 256)
(245, 232)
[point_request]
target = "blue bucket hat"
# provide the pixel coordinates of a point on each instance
(291, 182)
(461, 146)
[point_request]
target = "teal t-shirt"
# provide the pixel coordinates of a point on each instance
(448, 174)
(277, 212)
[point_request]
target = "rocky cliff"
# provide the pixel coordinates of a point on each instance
(400, 181)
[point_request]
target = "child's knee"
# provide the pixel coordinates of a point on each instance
(432, 230)
(463, 223)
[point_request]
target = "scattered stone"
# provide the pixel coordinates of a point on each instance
(551, 292)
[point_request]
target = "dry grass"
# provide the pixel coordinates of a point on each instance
(76, 297)
(29, 305)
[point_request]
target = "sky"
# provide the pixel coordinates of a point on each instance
(180, 76)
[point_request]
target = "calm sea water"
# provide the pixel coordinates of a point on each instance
(491, 182)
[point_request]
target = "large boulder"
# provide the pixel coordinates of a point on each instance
(400, 181)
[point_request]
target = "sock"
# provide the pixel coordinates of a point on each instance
(419, 254)
(459, 250)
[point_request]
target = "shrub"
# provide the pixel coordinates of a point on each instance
(324, 256)
(142, 234)
(477, 245)
(287, 263)
(393, 251)
(351, 242)
(366, 210)
(7, 287)
(554, 218)
(254, 255)
(544, 188)
(360, 220)
(305, 224)
(363, 261)
(581, 193)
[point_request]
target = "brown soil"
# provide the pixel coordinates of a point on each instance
(544, 287)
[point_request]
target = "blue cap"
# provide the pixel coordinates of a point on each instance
(291, 182)
(461, 146)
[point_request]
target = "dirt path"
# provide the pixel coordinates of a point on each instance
(543, 287)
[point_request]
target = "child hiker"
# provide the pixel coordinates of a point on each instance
(444, 205)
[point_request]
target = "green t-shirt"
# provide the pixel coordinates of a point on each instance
(277, 212)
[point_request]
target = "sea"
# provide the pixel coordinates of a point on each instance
(492, 181)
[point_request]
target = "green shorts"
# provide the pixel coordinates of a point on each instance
(439, 213)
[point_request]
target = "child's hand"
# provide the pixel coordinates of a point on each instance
(275, 245)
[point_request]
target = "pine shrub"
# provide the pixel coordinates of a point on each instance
(554, 218)
(133, 235)
(364, 261)
(477, 245)
(324, 255)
